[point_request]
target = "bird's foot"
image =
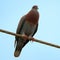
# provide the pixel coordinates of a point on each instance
(31, 38)
(25, 37)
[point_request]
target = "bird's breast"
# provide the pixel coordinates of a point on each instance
(28, 28)
(33, 17)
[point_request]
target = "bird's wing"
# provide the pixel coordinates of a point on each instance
(18, 31)
(35, 30)
(20, 25)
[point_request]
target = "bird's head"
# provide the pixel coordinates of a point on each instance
(35, 7)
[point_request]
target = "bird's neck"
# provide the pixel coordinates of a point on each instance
(32, 17)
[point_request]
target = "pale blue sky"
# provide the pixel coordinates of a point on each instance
(49, 29)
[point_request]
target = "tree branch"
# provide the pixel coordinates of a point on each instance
(39, 41)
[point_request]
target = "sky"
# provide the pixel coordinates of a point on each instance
(48, 30)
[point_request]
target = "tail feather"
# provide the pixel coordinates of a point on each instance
(18, 49)
(19, 44)
(17, 52)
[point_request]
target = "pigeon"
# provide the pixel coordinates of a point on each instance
(27, 26)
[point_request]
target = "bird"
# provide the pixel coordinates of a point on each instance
(27, 26)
